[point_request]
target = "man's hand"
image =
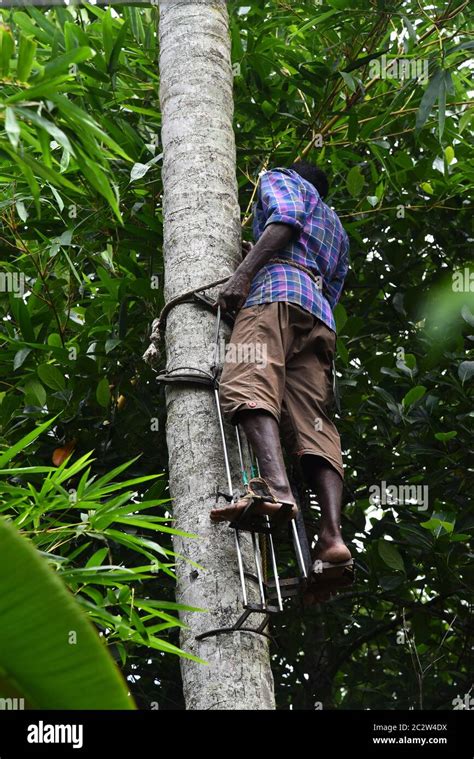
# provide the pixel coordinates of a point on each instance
(234, 293)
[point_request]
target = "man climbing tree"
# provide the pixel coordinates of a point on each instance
(283, 294)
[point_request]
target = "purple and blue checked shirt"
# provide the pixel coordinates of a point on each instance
(320, 244)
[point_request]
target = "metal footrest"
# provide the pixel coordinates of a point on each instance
(333, 575)
(271, 588)
(239, 625)
(261, 529)
(249, 521)
(289, 587)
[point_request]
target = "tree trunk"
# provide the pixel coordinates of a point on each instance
(201, 244)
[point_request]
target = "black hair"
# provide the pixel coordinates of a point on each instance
(312, 174)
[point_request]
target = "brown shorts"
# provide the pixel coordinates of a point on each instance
(279, 359)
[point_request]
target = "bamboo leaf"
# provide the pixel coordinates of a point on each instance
(12, 127)
(117, 48)
(26, 55)
(428, 100)
(7, 45)
(78, 116)
(60, 63)
(442, 106)
(56, 133)
(25, 441)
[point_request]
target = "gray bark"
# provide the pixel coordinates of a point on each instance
(201, 244)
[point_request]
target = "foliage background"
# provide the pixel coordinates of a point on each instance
(80, 217)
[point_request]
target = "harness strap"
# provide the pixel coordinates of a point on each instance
(301, 267)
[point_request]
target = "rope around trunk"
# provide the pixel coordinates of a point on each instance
(152, 353)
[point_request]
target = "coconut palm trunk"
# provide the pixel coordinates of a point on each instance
(202, 244)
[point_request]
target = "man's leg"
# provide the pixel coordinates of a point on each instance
(327, 484)
(250, 394)
(310, 432)
(262, 432)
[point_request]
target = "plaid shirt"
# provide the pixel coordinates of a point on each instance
(320, 244)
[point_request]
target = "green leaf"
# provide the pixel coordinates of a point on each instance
(20, 357)
(13, 450)
(99, 181)
(349, 80)
(340, 315)
(410, 29)
(390, 555)
(61, 63)
(355, 181)
(48, 647)
(443, 436)
(97, 558)
(51, 376)
(107, 35)
(26, 55)
(35, 389)
(140, 169)
(465, 371)
(21, 210)
(117, 48)
(414, 395)
(81, 118)
(465, 119)
(319, 19)
(237, 47)
(437, 526)
(21, 314)
(442, 105)
(429, 98)
(28, 164)
(7, 46)
(449, 154)
(12, 127)
(410, 360)
(43, 89)
(111, 344)
(342, 351)
(56, 133)
(268, 108)
(102, 392)
(24, 22)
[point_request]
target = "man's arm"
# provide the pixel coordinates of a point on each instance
(282, 203)
(275, 238)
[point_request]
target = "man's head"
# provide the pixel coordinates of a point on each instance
(312, 174)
